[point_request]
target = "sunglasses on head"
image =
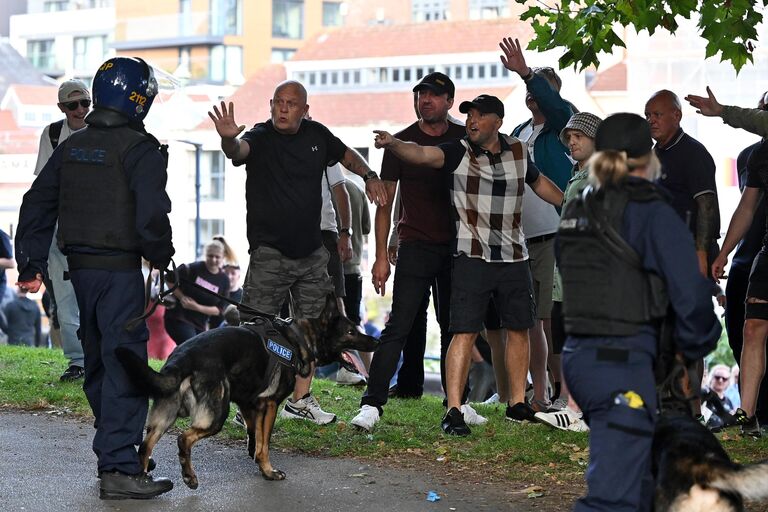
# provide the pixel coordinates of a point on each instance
(72, 105)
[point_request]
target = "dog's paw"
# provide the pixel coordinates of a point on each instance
(275, 474)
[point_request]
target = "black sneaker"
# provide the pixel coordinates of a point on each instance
(751, 428)
(453, 423)
(520, 412)
(119, 486)
(72, 373)
(738, 419)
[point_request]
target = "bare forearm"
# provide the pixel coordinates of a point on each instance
(382, 223)
(355, 163)
(233, 148)
(342, 204)
(706, 221)
(548, 191)
(412, 153)
(741, 220)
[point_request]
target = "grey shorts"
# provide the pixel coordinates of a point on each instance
(541, 256)
(271, 276)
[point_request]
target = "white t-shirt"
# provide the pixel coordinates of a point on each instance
(328, 214)
(45, 151)
(538, 216)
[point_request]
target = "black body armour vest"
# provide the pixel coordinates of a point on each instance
(606, 292)
(96, 206)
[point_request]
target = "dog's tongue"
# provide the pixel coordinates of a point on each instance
(353, 362)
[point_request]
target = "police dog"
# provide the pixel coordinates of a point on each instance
(244, 365)
(694, 473)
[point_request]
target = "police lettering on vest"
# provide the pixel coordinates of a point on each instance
(606, 292)
(96, 206)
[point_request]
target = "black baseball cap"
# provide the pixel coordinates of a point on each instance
(437, 82)
(485, 103)
(624, 132)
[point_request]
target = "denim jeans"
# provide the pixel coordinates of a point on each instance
(66, 304)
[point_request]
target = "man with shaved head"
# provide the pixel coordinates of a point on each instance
(285, 158)
(687, 172)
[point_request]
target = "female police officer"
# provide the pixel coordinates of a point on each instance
(622, 251)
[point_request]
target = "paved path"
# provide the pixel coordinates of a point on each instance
(47, 465)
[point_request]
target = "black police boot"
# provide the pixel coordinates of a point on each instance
(119, 486)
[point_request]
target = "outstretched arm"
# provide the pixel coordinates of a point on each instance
(374, 188)
(410, 152)
(548, 191)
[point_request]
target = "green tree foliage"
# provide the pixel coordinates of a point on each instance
(585, 28)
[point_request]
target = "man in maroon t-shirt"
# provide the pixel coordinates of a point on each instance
(425, 233)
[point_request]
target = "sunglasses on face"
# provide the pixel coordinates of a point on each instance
(720, 377)
(72, 105)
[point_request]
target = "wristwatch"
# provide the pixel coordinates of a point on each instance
(345, 231)
(370, 175)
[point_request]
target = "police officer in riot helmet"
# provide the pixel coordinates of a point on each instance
(106, 186)
(626, 260)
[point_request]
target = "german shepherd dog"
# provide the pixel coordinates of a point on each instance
(694, 473)
(242, 365)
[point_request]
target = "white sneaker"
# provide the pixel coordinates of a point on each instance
(306, 408)
(558, 405)
(366, 418)
(560, 419)
(494, 399)
(347, 378)
(578, 426)
(471, 417)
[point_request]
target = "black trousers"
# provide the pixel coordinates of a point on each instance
(419, 265)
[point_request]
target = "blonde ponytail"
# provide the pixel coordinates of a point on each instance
(609, 167)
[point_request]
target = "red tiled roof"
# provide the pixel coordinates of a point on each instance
(19, 141)
(343, 108)
(413, 39)
(612, 79)
(36, 94)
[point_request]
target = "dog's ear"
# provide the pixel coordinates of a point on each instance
(331, 308)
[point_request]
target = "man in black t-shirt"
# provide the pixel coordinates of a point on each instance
(425, 232)
(284, 159)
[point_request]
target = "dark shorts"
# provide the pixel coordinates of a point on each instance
(758, 287)
(335, 267)
(475, 282)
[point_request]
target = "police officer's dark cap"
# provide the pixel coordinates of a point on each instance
(484, 103)
(438, 83)
(624, 132)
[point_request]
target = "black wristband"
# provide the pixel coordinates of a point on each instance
(528, 75)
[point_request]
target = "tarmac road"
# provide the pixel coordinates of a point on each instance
(47, 465)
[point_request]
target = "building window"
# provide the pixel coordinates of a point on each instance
(282, 54)
(488, 9)
(226, 16)
(331, 14)
(55, 5)
(89, 52)
(212, 176)
(186, 27)
(429, 10)
(288, 19)
(226, 64)
(208, 229)
(357, 77)
(41, 54)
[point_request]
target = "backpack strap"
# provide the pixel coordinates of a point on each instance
(54, 132)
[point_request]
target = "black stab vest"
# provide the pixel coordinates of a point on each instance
(96, 206)
(606, 292)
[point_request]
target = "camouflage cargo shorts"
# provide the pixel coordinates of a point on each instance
(271, 276)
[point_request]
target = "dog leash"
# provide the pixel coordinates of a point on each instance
(150, 304)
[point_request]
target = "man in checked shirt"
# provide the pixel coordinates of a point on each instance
(490, 257)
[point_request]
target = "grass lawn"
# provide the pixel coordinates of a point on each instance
(408, 435)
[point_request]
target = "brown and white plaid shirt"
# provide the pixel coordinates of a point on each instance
(487, 193)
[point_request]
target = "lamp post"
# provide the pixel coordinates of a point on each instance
(198, 149)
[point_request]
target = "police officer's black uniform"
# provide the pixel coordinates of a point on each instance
(621, 251)
(106, 186)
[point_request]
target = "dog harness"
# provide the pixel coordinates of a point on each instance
(280, 348)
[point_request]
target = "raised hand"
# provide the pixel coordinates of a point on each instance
(708, 106)
(224, 121)
(513, 58)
